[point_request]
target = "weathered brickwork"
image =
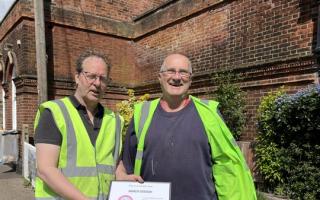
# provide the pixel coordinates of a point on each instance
(239, 34)
(28, 104)
(123, 10)
(9, 43)
(189, 37)
(10, 20)
(69, 43)
(264, 31)
(27, 60)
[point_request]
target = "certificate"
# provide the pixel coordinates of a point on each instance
(129, 190)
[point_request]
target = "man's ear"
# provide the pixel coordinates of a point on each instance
(76, 78)
(159, 77)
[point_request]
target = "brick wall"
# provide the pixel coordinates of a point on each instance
(27, 103)
(265, 31)
(24, 65)
(232, 35)
(103, 18)
(27, 65)
(9, 21)
(69, 43)
(9, 43)
(123, 10)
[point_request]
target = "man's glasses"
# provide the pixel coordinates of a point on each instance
(91, 77)
(172, 72)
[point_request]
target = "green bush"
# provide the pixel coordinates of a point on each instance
(231, 101)
(267, 151)
(288, 143)
(125, 108)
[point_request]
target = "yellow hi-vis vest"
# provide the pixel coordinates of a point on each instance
(230, 172)
(89, 168)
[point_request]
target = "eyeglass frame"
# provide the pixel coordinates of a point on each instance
(103, 79)
(172, 72)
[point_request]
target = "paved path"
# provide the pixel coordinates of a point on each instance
(12, 185)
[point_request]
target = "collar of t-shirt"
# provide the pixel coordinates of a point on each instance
(83, 112)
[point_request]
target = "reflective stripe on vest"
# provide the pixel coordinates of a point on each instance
(116, 149)
(143, 118)
(71, 169)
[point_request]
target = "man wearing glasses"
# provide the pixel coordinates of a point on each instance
(181, 139)
(77, 139)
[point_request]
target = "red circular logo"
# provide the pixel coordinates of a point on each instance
(125, 197)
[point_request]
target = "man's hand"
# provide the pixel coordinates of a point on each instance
(121, 174)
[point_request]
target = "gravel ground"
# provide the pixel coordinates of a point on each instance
(12, 185)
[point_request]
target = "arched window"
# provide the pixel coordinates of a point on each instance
(9, 93)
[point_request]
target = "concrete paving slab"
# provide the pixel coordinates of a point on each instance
(12, 185)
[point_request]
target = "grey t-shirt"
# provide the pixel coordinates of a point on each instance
(177, 151)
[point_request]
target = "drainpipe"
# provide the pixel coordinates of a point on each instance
(40, 51)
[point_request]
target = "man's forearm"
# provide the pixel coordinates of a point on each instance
(60, 184)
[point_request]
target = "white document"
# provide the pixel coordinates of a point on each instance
(129, 190)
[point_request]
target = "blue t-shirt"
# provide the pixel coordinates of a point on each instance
(177, 151)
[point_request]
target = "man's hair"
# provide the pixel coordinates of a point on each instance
(91, 53)
(163, 66)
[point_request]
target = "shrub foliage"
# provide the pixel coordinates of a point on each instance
(125, 108)
(288, 143)
(231, 101)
